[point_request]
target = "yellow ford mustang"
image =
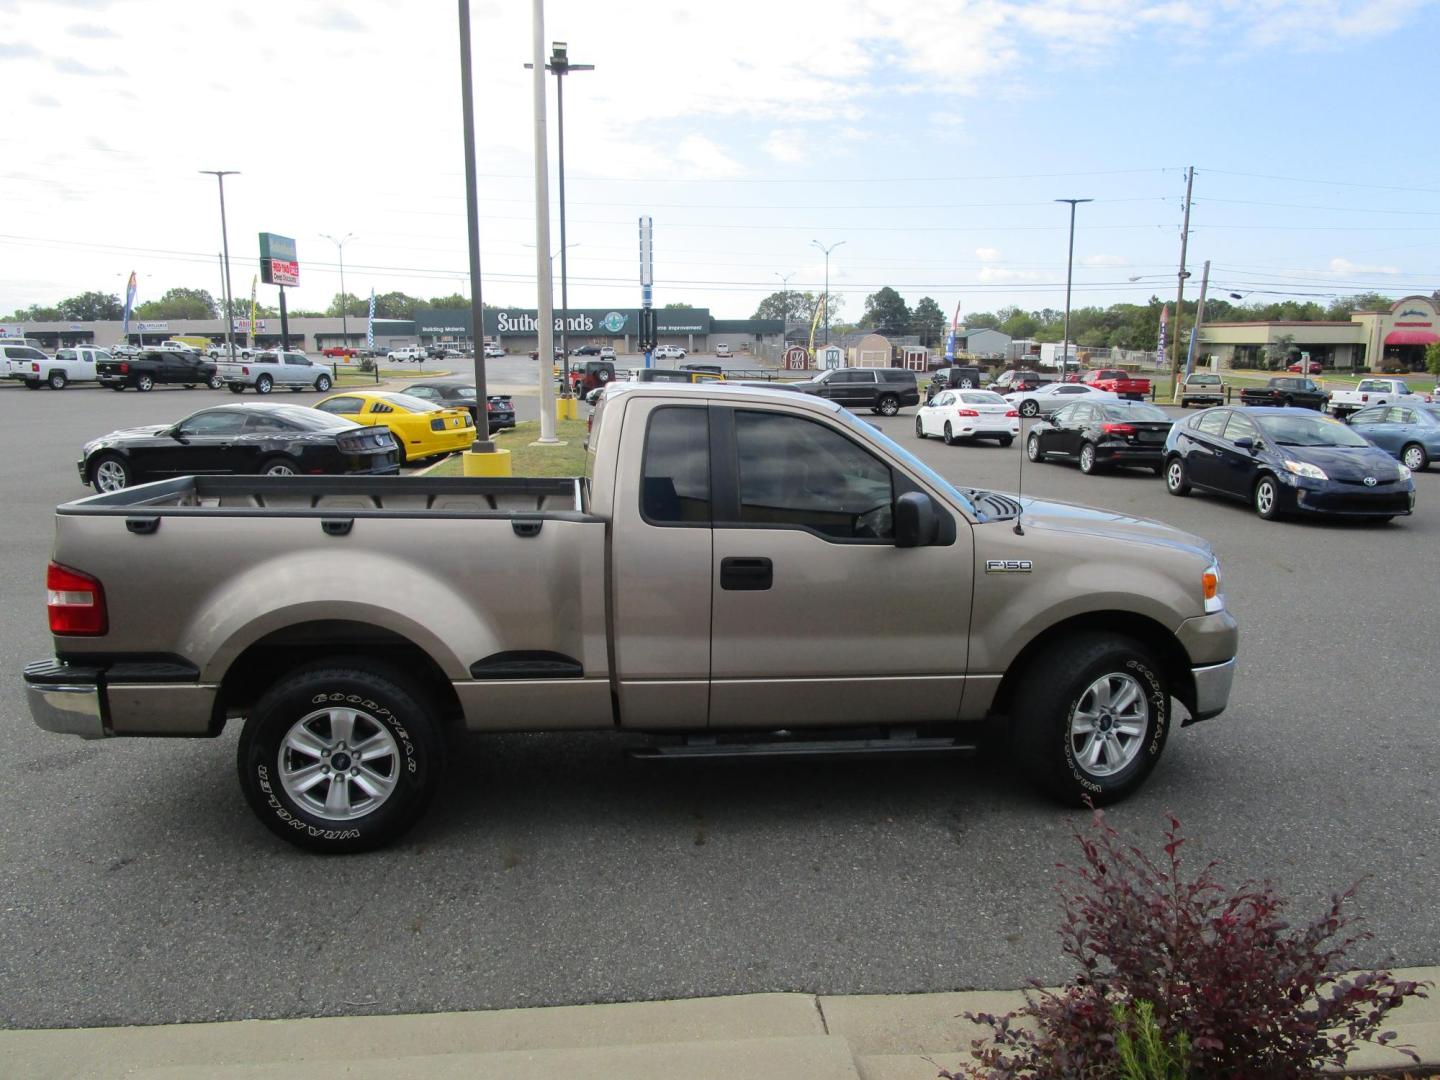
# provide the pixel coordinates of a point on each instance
(421, 429)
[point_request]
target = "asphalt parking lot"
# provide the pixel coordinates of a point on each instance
(138, 889)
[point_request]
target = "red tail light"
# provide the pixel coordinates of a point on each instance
(244, 370)
(1363, 397)
(1012, 412)
(75, 602)
(967, 412)
(124, 368)
(34, 367)
(1117, 429)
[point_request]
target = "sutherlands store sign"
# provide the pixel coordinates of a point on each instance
(599, 322)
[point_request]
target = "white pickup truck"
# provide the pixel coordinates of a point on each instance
(21, 362)
(57, 372)
(267, 370)
(407, 352)
(1372, 392)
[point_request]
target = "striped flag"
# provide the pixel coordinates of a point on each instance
(370, 322)
(1164, 324)
(954, 329)
(129, 304)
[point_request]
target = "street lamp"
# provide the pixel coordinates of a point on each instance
(784, 303)
(483, 444)
(826, 300)
(1069, 268)
(344, 314)
(561, 66)
(220, 175)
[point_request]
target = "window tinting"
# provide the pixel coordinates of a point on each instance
(675, 479)
(801, 473)
(1134, 412)
(1211, 422)
(344, 406)
(213, 423)
(265, 422)
(981, 397)
(1240, 427)
(1367, 416)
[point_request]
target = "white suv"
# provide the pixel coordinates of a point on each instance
(607, 352)
(723, 349)
(669, 352)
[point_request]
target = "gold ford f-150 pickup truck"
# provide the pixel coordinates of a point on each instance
(740, 571)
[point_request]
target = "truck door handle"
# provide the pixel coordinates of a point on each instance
(746, 574)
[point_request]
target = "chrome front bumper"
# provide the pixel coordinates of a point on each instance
(1212, 689)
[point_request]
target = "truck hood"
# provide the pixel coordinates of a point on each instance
(1061, 517)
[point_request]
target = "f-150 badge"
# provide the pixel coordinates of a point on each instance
(1008, 566)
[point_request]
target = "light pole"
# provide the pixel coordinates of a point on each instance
(344, 314)
(561, 66)
(483, 444)
(220, 175)
(784, 304)
(826, 299)
(1069, 267)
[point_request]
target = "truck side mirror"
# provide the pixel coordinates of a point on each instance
(916, 523)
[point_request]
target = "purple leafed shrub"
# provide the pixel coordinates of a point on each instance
(1255, 997)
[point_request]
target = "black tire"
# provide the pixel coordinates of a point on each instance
(1047, 714)
(1087, 458)
(1158, 470)
(144, 383)
(1176, 480)
(1414, 457)
(236, 388)
(1032, 448)
(33, 384)
(263, 384)
(1184, 403)
(269, 466)
(1006, 440)
(948, 436)
(388, 706)
(109, 473)
(919, 427)
(1287, 401)
(215, 382)
(1266, 497)
(57, 380)
(401, 458)
(323, 383)
(189, 386)
(888, 405)
(113, 386)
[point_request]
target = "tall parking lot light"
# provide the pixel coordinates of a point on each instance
(220, 175)
(826, 299)
(1069, 267)
(483, 444)
(344, 314)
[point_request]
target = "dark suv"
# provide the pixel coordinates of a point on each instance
(882, 390)
(953, 378)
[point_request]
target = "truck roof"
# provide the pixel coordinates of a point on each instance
(723, 390)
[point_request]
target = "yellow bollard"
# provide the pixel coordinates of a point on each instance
(495, 463)
(567, 408)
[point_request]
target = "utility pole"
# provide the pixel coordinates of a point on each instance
(220, 175)
(545, 308)
(826, 299)
(344, 314)
(1180, 291)
(1069, 268)
(784, 304)
(1199, 320)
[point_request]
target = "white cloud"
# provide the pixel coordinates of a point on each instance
(90, 30)
(998, 275)
(987, 254)
(786, 146)
(707, 158)
(1345, 266)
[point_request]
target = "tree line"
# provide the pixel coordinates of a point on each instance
(182, 303)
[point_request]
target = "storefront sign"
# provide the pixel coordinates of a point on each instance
(152, 327)
(279, 264)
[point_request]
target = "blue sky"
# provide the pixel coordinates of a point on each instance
(931, 138)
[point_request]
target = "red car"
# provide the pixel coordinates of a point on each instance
(339, 351)
(1314, 367)
(1120, 383)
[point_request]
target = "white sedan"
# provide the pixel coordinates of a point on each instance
(1053, 396)
(669, 352)
(968, 414)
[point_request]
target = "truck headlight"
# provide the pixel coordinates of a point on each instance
(1210, 588)
(1305, 469)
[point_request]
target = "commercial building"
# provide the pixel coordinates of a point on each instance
(693, 329)
(1386, 340)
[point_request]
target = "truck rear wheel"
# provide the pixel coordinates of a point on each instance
(144, 383)
(341, 756)
(1090, 718)
(58, 380)
(263, 384)
(237, 388)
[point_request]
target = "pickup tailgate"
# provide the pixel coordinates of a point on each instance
(500, 583)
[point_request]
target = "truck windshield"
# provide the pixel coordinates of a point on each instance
(911, 462)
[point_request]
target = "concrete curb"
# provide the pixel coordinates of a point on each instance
(759, 1036)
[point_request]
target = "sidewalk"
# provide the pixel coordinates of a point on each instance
(756, 1037)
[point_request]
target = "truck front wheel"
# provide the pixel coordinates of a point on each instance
(341, 756)
(1091, 718)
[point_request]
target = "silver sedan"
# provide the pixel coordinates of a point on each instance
(1051, 397)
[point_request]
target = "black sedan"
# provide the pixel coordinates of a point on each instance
(460, 394)
(1284, 461)
(258, 438)
(1098, 434)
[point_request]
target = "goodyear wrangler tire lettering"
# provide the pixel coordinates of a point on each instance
(325, 761)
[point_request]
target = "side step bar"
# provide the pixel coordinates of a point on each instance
(786, 744)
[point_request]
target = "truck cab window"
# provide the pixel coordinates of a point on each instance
(799, 473)
(675, 479)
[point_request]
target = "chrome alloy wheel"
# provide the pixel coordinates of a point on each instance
(110, 476)
(1109, 724)
(279, 469)
(339, 764)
